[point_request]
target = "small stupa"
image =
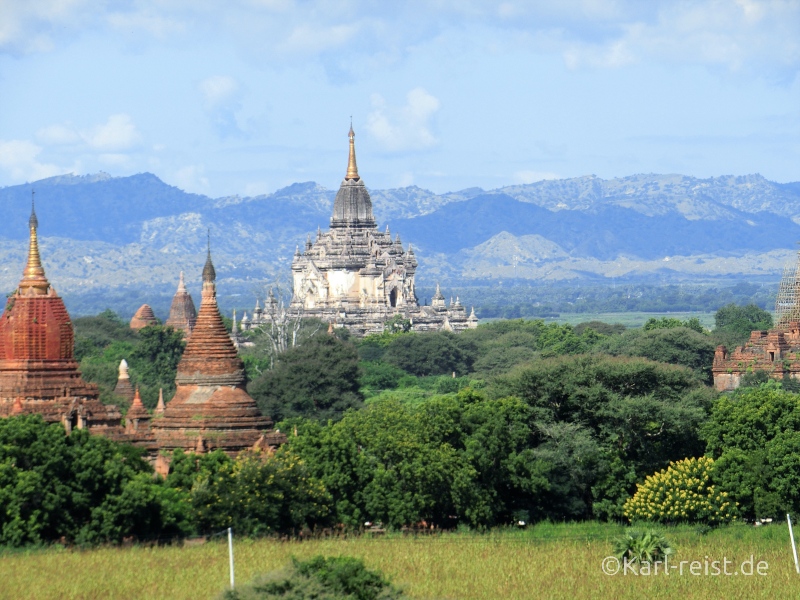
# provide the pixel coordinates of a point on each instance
(137, 417)
(124, 389)
(182, 313)
(143, 317)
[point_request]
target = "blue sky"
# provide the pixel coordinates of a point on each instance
(246, 96)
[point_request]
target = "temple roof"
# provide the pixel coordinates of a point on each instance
(353, 206)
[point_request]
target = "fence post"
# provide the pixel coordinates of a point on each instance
(230, 551)
(794, 548)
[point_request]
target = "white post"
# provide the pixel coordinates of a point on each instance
(230, 551)
(794, 548)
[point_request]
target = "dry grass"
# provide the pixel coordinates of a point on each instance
(551, 561)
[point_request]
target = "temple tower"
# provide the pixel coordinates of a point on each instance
(38, 370)
(182, 313)
(211, 403)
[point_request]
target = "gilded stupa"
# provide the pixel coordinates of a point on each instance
(359, 277)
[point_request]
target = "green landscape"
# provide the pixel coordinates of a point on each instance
(480, 465)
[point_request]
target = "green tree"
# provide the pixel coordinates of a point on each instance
(254, 493)
(434, 353)
(675, 345)
(640, 414)
(320, 578)
(380, 375)
(734, 323)
(94, 334)
(452, 456)
(319, 379)
(154, 361)
(754, 435)
(673, 323)
(82, 488)
(684, 492)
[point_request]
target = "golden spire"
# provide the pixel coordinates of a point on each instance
(33, 278)
(352, 168)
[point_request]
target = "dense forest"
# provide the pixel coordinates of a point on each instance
(515, 421)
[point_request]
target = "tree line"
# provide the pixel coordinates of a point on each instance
(513, 421)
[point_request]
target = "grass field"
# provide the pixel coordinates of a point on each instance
(546, 561)
(632, 319)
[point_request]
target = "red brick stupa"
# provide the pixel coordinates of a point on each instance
(38, 371)
(143, 318)
(182, 313)
(211, 406)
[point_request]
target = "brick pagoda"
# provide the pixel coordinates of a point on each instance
(182, 313)
(143, 318)
(211, 408)
(38, 370)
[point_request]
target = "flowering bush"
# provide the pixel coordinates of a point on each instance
(683, 492)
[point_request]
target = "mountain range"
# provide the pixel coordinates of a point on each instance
(130, 236)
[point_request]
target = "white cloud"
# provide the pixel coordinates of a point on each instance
(407, 127)
(222, 100)
(731, 34)
(147, 21)
(309, 39)
(192, 178)
(58, 135)
(117, 133)
(588, 33)
(20, 159)
(27, 26)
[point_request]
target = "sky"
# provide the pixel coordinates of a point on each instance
(248, 96)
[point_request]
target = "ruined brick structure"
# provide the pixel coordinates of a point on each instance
(775, 352)
(358, 277)
(182, 313)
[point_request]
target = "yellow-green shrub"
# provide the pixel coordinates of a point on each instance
(683, 492)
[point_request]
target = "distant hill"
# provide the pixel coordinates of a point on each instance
(134, 234)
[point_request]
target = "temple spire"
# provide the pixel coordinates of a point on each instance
(33, 278)
(209, 274)
(352, 168)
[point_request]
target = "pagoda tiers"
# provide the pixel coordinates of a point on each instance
(182, 313)
(211, 408)
(38, 370)
(143, 318)
(358, 277)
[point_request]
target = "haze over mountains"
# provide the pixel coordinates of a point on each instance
(100, 232)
